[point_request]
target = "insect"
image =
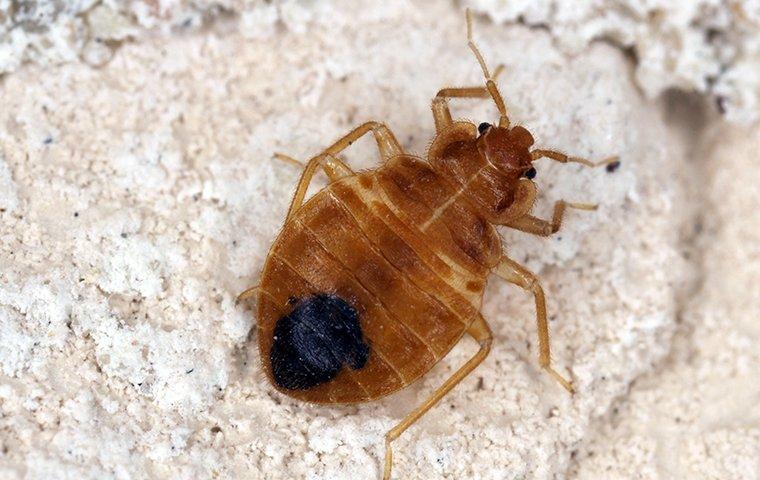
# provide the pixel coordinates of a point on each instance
(377, 276)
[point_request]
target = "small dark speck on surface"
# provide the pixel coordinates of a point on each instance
(611, 167)
(559, 239)
(76, 214)
(189, 371)
(123, 235)
(720, 101)
(48, 141)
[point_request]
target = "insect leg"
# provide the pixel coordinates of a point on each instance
(247, 293)
(386, 144)
(562, 158)
(544, 228)
(386, 141)
(441, 112)
(333, 167)
(513, 272)
(482, 334)
(289, 159)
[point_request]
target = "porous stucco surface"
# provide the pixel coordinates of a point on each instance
(696, 415)
(710, 46)
(139, 196)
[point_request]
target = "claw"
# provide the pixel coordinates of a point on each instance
(562, 380)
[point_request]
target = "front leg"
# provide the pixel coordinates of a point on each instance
(513, 272)
(441, 112)
(562, 158)
(544, 228)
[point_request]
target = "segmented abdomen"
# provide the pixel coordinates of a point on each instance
(408, 261)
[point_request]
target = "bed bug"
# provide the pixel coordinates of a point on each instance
(377, 276)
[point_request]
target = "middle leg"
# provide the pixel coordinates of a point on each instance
(513, 272)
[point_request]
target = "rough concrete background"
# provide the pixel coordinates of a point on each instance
(696, 415)
(138, 196)
(710, 46)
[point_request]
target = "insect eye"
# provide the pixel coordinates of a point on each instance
(483, 127)
(531, 174)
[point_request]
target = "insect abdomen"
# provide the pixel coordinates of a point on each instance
(345, 243)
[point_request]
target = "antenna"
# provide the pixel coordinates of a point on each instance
(490, 83)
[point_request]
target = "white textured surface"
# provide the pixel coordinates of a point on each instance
(140, 197)
(710, 46)
(696, 416)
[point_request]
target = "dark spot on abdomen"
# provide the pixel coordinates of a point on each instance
(313, 342)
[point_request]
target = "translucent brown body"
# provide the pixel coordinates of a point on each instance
(403, 245)
(377, 276)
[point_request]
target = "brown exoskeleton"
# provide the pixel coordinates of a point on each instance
(376, 277)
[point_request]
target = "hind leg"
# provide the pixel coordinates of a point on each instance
(482, 334)
(513, 272)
